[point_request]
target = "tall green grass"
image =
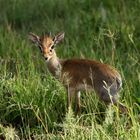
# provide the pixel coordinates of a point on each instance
(33, 103)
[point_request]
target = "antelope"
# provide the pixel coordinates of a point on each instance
(80, 74)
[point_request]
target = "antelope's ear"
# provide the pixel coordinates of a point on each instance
(34, 38)
(58, 38)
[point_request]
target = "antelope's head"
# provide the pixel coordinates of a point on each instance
(46, 43)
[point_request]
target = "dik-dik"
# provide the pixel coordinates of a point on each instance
(80, 74)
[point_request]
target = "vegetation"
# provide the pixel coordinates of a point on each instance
(33, 103)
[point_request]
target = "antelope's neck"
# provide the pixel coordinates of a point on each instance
(54, 66)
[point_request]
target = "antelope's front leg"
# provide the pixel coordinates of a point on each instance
(77, 102)
(70, 96)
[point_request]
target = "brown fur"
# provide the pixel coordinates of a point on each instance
(80, 74)
(89, 71)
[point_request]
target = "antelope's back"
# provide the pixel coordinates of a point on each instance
(90, 72)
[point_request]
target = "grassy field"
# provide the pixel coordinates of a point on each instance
(33, 103)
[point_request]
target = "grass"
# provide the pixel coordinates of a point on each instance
(33, 103)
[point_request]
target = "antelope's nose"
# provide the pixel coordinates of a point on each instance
(46, 58)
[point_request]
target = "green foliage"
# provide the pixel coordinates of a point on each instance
(32, 102)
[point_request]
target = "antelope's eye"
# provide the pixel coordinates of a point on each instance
(52, 46)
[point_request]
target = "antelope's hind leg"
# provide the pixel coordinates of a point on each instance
(112, 97)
